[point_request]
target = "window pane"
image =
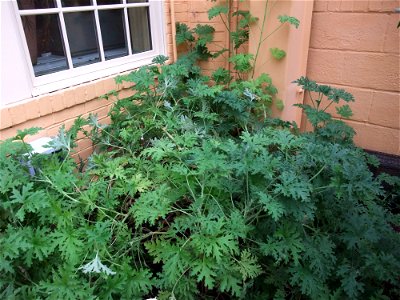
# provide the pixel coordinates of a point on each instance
(46, 47)
(82, 37)
(108, 2)
(140, 29)
(69, 3)
(137, 1)
(35, 4)
(113, 33)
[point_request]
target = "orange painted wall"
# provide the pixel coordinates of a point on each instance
(294, 41)
(355, 45)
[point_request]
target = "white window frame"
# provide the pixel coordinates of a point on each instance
(74, 76)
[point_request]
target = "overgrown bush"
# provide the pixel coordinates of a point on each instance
(195, 192)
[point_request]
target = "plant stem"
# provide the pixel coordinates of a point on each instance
(230, 41)
(223, 21)
(261, 40)
(276, 29)
(173, 289)
(171, 137)
(319, 172)
(312, 100)
(309, 227)
(327, 106)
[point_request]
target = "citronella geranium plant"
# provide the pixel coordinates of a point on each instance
(193, 192)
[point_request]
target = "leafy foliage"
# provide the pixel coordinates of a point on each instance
(323, 123)
(288, 19)
(242, 32)
(192, 194)
(238, 23)
(195, 192)
(183, 34)
(242, 62)
(217, 10)
(277, 53)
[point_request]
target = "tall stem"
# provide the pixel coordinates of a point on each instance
(276, 29)
(260, 40)
(312, 100)
(330, 103)
(230, 3)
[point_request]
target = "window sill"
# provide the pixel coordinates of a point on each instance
(109, 68)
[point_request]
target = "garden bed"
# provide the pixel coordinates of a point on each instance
(195, 191)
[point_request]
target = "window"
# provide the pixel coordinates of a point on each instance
(71, 41)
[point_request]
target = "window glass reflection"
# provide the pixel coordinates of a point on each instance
(108, 2)
(36, 4)
(45, 44)
(82, 37)
(72, 3)
(112, 24)
(139, 23)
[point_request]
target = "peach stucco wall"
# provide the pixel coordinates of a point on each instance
(50, 111)
(294, 41)
(355, 45)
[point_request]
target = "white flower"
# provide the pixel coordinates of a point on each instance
(249, 94)
(167, 105)
(97, 267)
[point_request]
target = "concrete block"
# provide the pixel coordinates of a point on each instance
(32, 110)
(320, 5)
(347, 5)
(385, 109)
(370, 70)
(376, 138)
(84, 144)
(68, 113)
(348, 31)
(17, 114)
(389, 5)
(334, 5)
(45, 121)
(90, 91)
(99, 88)
(80, 96)
(196, 17)
(360, 107)
(57, 101)
(7, 133)
(181, 17)
(375, 5)
(360, 6)
(69, 97)
(200, 6)
(181, 7)
(325, 65)
(91, 106)
(392, 37)
(45, 105)
(5, 118)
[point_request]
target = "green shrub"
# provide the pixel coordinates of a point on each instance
(195, 192)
